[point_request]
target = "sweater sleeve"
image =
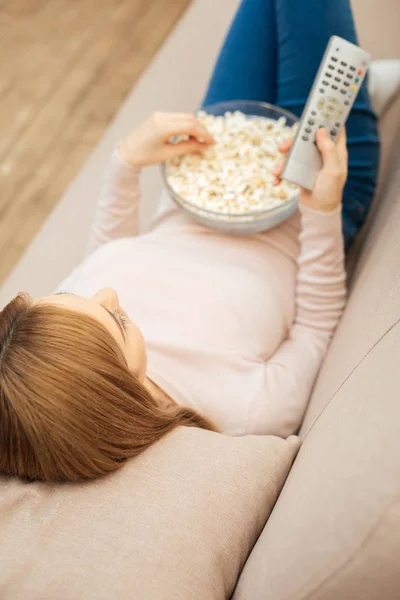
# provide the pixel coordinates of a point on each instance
(289, 375)
(117, 213)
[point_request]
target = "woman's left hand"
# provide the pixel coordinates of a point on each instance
(151, 144)
(327, 192)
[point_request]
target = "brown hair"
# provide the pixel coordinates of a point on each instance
(70, 409)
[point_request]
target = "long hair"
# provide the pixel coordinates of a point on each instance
(70, 409)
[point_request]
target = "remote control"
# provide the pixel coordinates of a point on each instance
(339, 77)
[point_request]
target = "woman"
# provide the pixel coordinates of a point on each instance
(235, 328)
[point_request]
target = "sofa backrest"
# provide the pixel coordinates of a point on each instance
(334, 532)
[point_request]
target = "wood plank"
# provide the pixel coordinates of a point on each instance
(50, 57)
(71, 65)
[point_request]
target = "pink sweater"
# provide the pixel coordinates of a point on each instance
(235, 327)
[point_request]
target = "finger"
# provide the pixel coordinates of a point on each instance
(286, 145)
(174, 150)
(284, 148)
(169, 117)
(342, 141)
(198, 131)
(277, 169)
(327, 147)
(191, 127)
(342, 147)
(178, 116)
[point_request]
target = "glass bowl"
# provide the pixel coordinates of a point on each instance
(248, 222)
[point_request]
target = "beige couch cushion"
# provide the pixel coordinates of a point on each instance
(378, 26)
(178, 521)
(374, 303)
(334, 533)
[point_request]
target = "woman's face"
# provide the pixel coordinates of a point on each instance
(104, 306)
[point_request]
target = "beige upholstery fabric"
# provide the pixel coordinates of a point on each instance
(389, 127)
(374, 302)
(178, 521)
(378, 23)
(335, 531)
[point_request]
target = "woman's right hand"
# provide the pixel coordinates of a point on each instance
(150, 143)
(327, 193)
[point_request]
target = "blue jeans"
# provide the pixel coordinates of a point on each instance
(272, 52)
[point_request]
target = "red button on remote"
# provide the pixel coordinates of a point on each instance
(360, 72)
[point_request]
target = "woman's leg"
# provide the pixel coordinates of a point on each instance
(246, 67)
(272, 53)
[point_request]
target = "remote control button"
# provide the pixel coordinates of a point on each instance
(314, 114)
(352, 68)
(353, 87)
(328, 74)
(334, 87)
(334, 59)
(360, 72)
(344, 64)
(357, 79)
(346, 102)
(340, 71)
(342, 91)
(349, 76)
(333, 132)
(305, 138)
(331, 67)
(350, 94)
(337, 124)
(321, 90)
(338, 79)
(325, 83)
(308, 130)
(310, 122)
(346, 83)
(321, 103)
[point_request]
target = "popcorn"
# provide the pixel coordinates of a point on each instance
(235, 175)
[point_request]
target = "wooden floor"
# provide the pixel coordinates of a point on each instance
(65, 67)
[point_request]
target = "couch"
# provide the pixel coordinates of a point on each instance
(334, 532)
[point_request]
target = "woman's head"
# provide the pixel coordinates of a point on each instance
(105, 308)
(72, 401)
